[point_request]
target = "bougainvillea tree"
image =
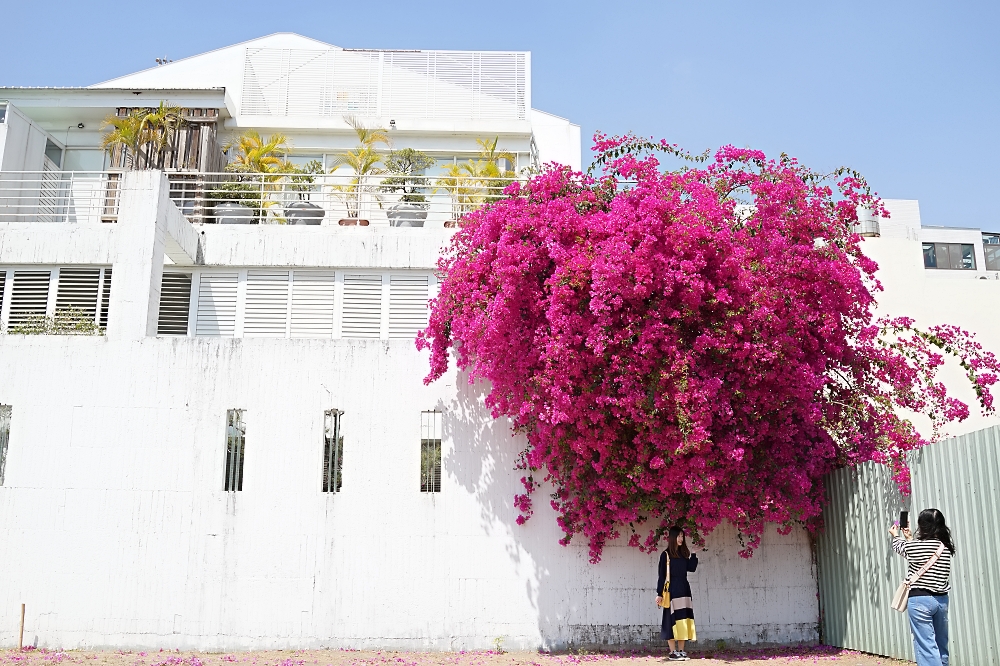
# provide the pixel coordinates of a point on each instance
(689, 346)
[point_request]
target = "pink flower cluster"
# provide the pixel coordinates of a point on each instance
(689, 346)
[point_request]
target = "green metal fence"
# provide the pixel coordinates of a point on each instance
(858, 572)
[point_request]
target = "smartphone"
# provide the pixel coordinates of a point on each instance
(904, 519)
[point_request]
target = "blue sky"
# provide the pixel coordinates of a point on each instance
(906, 92)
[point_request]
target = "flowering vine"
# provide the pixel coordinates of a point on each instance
(689, 346)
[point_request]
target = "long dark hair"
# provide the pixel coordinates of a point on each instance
(930, 525)
(672, 547)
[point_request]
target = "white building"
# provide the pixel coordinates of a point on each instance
(176, 480)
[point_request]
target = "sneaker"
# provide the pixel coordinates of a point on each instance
(675, 656)
(684, 655)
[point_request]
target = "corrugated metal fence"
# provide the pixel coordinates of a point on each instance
(858, 572)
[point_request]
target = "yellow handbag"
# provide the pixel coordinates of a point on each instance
(665, 603)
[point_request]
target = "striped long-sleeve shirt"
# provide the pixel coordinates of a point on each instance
(937, 580)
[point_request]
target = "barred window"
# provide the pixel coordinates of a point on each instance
(430, 452)
(333, 451)
(5, 411)
(235, 436)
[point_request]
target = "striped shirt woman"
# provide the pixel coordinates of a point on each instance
(927, 606)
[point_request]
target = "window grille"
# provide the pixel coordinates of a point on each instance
(407, 305)
(5, 411)
(29, 297)
(333, 451)
(217, 304)
(362, 306)
(102, 319)
(175, 304)
(77, 291)
(430, 452)
(235, 436)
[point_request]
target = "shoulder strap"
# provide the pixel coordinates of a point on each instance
(927, 566)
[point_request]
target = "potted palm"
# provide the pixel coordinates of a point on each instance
(303, 211)
(257, 165)
(406, 167)
(363, 160)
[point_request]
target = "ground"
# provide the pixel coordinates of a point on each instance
(745, 657)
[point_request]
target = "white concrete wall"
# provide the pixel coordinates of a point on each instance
(117, 533)
(557, 138)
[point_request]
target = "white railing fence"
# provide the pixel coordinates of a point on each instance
(59, 196)
(255, 198)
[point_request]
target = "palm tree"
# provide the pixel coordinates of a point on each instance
(488, 170)
(363, 160)
(162, 124)
(129, 133)
(144, 135)
(257, 155)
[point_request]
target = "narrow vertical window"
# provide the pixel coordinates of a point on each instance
(333, 451)
(430, 452)
(235, 435)
(4, 437)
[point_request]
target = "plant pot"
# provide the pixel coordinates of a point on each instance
(353, 222)
(451, 224)
(407, 215)
(304, 212)
(233, 213)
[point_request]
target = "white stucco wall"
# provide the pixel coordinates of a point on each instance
(117, 533)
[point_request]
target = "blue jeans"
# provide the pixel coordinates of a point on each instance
(929, 624)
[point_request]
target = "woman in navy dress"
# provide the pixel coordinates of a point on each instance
(678, 616)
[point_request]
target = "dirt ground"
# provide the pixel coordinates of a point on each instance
(706, 656)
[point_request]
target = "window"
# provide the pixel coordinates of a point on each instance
(430, 452)
(53, 152)
(991, 247)
(960, 256)
(4, 437)
(333, 451)
(235, 435)
(175, 304)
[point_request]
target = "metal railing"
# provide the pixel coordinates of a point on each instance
(59, 196)
(330, 199)
(256, 198)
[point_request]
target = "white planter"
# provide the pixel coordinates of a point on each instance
(233, 213)
(407, 215)
(304, 212)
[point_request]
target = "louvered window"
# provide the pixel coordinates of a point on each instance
(3, 285)
(29, 298)
(217, 304)
(362, 306)
(407, 305)
(105, 299)
(5, 412)
(266, 312)
(333, 451)
(312, 304)
(430, 452)
(175, 304)
(235, 447)
(77, 292)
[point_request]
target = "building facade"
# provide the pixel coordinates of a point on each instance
(213, 427)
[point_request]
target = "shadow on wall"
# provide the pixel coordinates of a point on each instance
(768, 599)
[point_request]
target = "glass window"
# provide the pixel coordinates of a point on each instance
(960, 256)
(5, 411)
(991, 247)
(53, 152)
(930, 256)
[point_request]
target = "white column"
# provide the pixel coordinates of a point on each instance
(138, 255)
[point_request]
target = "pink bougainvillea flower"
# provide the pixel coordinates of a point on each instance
(688, 346)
